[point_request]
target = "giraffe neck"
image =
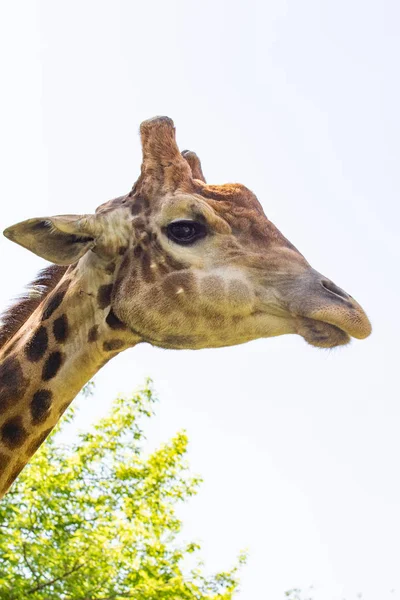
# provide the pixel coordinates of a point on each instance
(66, 340)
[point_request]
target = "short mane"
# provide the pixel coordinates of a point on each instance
(15, 316)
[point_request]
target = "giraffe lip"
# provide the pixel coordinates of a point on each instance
(315, 332)
(321, 334)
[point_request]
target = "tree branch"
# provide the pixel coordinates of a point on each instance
(47, 583)
(35, 575)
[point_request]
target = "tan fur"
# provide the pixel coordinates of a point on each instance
(129, 282)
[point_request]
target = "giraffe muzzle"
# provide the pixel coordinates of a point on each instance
(326, 315)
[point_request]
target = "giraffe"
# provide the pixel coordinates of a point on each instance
(176, 263)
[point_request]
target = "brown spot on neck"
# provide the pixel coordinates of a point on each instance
(104, 295)
(13, 433)
(55, 300)
(13, 384)
(40, 406)
(60, 329)
(52, 365)
(93, 334)
(37, 345)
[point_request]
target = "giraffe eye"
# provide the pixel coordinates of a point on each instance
(186, 232)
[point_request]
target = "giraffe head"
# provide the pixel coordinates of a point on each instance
(195, 265)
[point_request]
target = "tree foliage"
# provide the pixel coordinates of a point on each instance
(96, 519)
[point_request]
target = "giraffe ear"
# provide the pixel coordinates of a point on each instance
(61, 240)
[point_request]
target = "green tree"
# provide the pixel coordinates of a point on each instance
(96, 519)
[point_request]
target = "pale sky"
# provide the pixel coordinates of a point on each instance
(299, 448)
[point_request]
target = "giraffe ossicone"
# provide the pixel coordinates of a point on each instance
(175, 262)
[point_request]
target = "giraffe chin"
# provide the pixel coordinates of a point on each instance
(322, 335)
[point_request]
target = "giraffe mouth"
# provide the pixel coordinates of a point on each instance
(321, 334)
(325, 315)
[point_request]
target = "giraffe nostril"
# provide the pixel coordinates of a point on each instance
(334, 289)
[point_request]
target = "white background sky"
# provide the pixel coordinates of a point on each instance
(299, 448)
